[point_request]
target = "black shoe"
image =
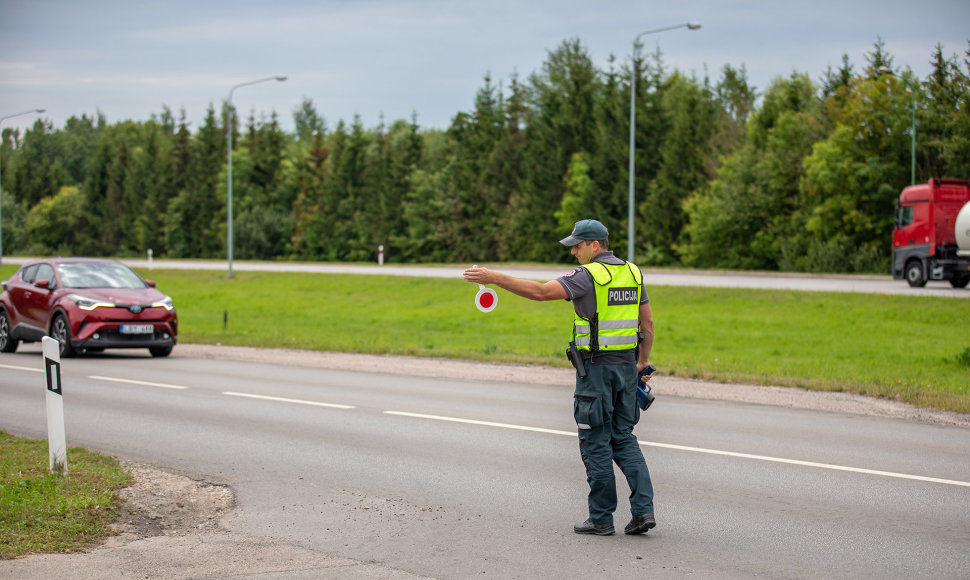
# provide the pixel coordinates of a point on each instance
(640, 524)
(588, 527)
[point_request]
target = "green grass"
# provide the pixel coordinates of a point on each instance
(912, 349)
(41, 512)
(368, 314)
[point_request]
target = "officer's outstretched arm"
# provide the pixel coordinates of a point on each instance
(530, 289)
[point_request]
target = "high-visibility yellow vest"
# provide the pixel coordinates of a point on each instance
(617, 320)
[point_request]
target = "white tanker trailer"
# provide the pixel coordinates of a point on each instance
(963, 231)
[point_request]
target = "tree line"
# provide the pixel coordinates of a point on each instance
(803, 177)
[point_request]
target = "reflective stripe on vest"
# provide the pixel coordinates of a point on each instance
(617, 290)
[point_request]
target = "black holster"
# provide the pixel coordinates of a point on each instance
(577, 359)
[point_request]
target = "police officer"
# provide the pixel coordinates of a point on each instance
(611, 309)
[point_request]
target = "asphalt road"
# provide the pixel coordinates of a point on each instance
(461, 479)
(653, 277)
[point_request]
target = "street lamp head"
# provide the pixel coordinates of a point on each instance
(280, 78)
(692, 25)
(40, 110)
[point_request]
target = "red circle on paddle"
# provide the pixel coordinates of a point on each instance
(486, 300)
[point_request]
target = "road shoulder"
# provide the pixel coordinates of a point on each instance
(173, 526)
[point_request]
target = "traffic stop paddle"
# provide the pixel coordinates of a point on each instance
(486, 300)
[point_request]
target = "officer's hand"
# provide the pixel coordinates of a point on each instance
(477, 275)
(642, 365)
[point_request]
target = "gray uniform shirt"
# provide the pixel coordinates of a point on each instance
(580, 287)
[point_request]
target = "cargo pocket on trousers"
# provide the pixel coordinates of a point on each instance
(587, 411)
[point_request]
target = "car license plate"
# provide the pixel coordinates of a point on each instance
(137, 329)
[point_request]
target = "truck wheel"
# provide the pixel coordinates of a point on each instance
(960, 282)
(914, 274)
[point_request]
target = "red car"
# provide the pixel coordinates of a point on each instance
(87, 304)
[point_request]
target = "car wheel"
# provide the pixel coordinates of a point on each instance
(61, 332)
(960, 282)
(7, 342)
(160, 351)
(914, 274)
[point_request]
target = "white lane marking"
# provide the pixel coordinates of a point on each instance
(699, 450)
(33, 370)
(285, 400)
(134, 382)
(485, 423)
(808, 464)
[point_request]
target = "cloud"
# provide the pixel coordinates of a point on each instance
(370, 57)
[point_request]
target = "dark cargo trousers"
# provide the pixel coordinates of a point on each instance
(605, 407)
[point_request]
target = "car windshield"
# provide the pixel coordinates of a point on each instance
(98, 275)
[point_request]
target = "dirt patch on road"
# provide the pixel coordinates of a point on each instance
(171, 527)
(161, 503)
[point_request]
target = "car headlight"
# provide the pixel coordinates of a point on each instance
(88, 303)
(165, 303)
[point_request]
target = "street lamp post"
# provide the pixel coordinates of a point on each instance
(230, 123)
(633, 119)
(2, 119)
(912, 138)
(912, 131)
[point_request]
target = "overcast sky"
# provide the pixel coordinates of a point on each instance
(128, 59)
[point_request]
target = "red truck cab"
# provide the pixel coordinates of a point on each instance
(924, 238)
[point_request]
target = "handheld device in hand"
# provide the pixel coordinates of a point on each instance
(644, 397)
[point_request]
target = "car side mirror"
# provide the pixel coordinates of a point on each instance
(42, 284)
(150, 283)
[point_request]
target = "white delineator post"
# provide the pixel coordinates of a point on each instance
(56, 440)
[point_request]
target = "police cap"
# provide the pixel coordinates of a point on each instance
(586, 230)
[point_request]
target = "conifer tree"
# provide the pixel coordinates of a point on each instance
(561, 124)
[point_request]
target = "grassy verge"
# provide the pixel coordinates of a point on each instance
(913, 349)
(41, 512)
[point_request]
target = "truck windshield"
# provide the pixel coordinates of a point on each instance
(904, 216)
